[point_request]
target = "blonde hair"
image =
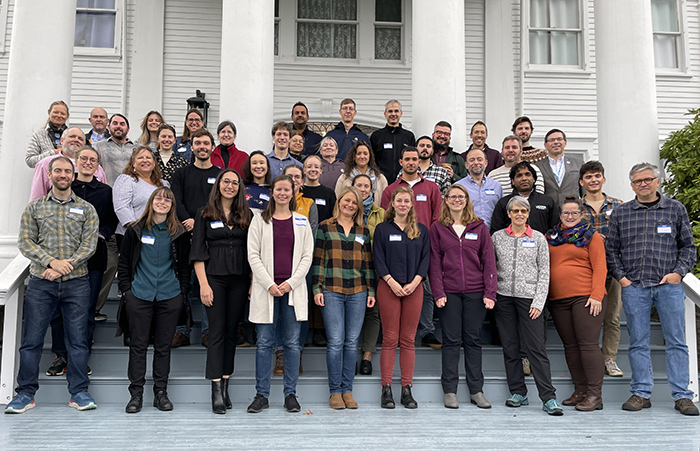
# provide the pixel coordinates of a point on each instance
(55, 103)
(357, 217)
(411, 229)
(145, 137)
(468, 215)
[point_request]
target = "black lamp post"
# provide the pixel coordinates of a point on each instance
(199, 102)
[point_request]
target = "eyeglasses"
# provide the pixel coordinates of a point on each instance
(230, 182)
(519, 211)
(161, 199)
(440, 133)
(85, 159)
(457, 197)
(645, 181)
(347, 108)
(573, 214)
(553, 140)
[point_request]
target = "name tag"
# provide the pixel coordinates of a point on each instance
(145, 239)
(217, 225)
(529, 243)
(388, 146)
(490, 191)
(541, 207)
(608, 212)
(211, 180)
(320, 201)
(76, 210)
(300, 221)
(664, 229)
(432, 179)
(360, 240)
(471, 236)
(265, 197)
(422, 197)
(394, 237)
(182, 149)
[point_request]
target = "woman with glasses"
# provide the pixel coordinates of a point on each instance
(577, 300)
(47, 141)
(296, 145)
(149, 129)
(168, 161)
(464, 282)
(154, 278)
(194, 120)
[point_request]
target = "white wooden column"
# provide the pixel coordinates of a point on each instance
(438, 68)
(36, 77)
(628, 130)
(499, 85)
(247, 70)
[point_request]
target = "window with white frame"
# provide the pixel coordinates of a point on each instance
(96, 24)
(667, 33)
(327, 28)
(555, 32)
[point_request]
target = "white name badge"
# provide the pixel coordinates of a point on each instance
(300, 221)
(145, 239)
(393, 237)
(265, 197)
(529, 243)
(217, 225)
(182, 149)
(360, 240)
(541, 207)
(471, 236)
(388, 146)
(211, 180)
(422, 197)
(320, 201)
(608, 212)
(490, 191)
(664, 229)
(76, 210)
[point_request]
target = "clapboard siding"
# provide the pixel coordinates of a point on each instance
(128, 51)
(97, 81)
(515, 34)
(474, 19)
(4, 59)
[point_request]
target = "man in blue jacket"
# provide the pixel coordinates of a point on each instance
(346, 133)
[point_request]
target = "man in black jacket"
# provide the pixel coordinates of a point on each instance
(388, 142)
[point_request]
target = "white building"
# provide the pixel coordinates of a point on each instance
(616, 76)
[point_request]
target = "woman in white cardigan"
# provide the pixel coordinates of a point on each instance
(280, 250)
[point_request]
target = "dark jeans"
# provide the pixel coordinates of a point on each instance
(58, 345)
(230, 298)
(580, 331)
(193, 298)
(461, 319)
(163, 316)
(43, 297)
(514, 327)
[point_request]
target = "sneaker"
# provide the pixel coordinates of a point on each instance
(20, 404)
(526, 366)
(684, 406)
(58, 367)
(82, 401)
(636, 403)
(612, 369)
(291, 403)
(430, 341)
(179, 340)
(100, 317)
(89, 371)
(552, 407)
(517, 400)
(259, 403)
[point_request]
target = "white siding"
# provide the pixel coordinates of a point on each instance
(128, 51)
(474, 18)
(4, 60)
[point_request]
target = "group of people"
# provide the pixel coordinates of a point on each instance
(343, 234)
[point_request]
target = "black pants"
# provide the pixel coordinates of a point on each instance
(163, 315)
(230, 298)
(515, 326)
(461, 319)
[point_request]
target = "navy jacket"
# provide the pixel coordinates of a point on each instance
(399, 256)
(346, 140)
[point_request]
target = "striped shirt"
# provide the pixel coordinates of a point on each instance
(342, 264)
(502, 176)
(599, 219)
(52, 229)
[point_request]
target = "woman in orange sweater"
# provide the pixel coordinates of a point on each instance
(577, 300)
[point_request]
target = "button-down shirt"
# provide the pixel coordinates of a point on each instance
(436, 174)
(41, 183)
(154, 278)
(278, 164)
(484, 197)
(113, 157)
(599, 219)
(557, 168)
(644, 243)
(52, 229)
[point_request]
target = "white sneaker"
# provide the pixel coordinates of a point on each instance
(612, 369)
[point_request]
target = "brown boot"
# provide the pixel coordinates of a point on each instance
(336, 402)
(350, 403)
(590, 403)
(575, 398)
(279, 363)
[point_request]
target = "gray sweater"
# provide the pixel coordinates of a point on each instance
(523, 266)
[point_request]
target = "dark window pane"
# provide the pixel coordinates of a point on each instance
(327, 9)
(387, 11)
(319, 40)
(101, 4)
(277, 8)
(94, 30)
(387, 43)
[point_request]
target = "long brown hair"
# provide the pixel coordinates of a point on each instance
(185, 130)
(411, 229)
(350, 160)
(145, 137)
(272, 205)
(156, 174)
(240, 213)
(468, 215)
(174, 224)
(162, 127)
(357, 217)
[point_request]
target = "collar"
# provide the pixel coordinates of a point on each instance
(391, 129)
(110, 139)
(554, 162)
(420, 178)
(92, 183)
(272, 155)
(528, 230)
(50, 197)
(663, 203)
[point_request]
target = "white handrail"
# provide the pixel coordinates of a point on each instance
(691, 286)
(12, 297)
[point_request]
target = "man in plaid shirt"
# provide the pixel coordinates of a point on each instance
(650, 248)
(58, 233)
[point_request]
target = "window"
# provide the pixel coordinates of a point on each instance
(95, 24)
(555, 32)
(387, 29)
(667, 33)
(327, 28)
(277, 27)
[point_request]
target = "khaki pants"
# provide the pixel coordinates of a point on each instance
(611, 322)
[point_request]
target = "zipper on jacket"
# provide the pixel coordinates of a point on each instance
(461, 264)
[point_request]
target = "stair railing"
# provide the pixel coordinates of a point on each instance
(12, 286)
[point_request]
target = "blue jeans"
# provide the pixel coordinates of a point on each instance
(43, 298)
(343, 315)
(291, 328)
(669, 301)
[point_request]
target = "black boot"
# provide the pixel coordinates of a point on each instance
(387, 397)
(227, 400)
(407, 398)
(217, 397)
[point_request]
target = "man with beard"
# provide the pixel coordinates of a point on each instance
(511, 151)
(478, 135)
(191, 186)
(72, 141)
(483, 191)
(98, 120)
(58, 234)
(300, 117)
(388, 142)
(115, 151)
(426, 167)
(444, 156)
(522, 128)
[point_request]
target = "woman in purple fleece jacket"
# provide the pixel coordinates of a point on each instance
(463, 279)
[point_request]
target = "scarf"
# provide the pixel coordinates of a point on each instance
(55, 133)
(367, 205)
(355, 172)
(579, 235)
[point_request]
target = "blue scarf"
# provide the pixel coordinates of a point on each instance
(367, 205)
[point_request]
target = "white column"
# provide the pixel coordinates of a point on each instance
(499, 85)
(39, 72)
(146, 85)
(438, 68)
(247, 70)
(628, 130)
